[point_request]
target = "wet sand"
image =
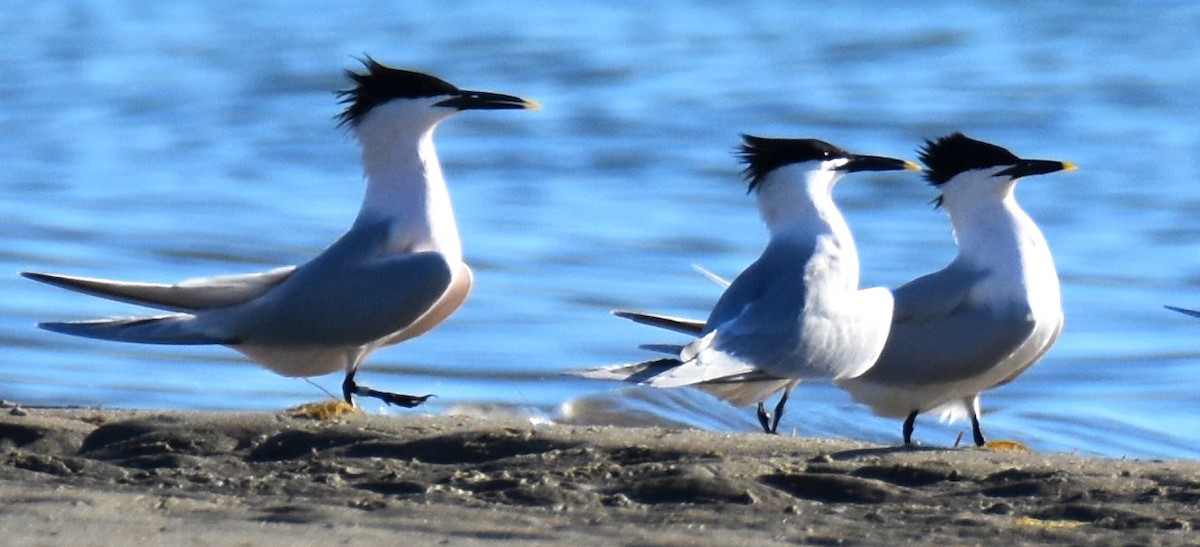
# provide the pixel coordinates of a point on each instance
(123, 477)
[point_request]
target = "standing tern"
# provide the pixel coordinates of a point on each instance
(397, 273)
(796, 312)
(985, 318)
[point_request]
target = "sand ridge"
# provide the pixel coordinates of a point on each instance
(200, 478)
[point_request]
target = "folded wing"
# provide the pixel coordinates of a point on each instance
(940, 335)
(682, 325)
(344, 305)
(188, 296)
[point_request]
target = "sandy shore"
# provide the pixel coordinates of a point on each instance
(104, 477)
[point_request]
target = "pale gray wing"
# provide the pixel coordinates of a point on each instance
(1036, 357)
(935, 295)
(345, 306)
(754, 325)
(757, 318)
(451, 300)
(172, 329)
(636, 372)
(938, 335)
(187, 296)
(353, 293)
(700, 363)
(779, 269)
(783, 339)
(681, 325)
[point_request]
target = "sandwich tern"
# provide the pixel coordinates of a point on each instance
(988, 316)
(796, 312)
(397, 273)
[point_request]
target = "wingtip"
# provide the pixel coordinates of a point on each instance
(60, 327)
(35, 276)
(56, 280)
(596, 373)
(1185, 311)
(637, 373)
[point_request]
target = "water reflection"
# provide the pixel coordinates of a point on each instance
(162, 142)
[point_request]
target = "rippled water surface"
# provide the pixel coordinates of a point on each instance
(159, 142)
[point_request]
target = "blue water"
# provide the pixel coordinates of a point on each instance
(161, 142)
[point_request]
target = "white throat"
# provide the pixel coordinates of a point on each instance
(986, 218)
(797, 204)
(994, 234)
(405, 186)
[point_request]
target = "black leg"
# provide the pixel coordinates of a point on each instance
(779, 411)
(764, 419)
(976, 431)
(350, 388)
(908, 426)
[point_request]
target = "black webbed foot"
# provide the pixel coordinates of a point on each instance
(397, 399)
(351, 388)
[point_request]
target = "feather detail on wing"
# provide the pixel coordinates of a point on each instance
(685, 369)
(959, 346)
(358, 304)
(187, 296)
(937, 295)
(737, 390)
(174, 329)
(636, 372)
(938, 335)
(669, 349)
(700, 362)
(451, 300)
(682, 325)
(744, 392)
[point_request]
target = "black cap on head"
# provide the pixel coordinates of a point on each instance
(955, 153)
(763, 155)
(380, 84)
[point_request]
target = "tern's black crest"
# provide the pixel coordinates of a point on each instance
(762, 155)
(380, 84)
(953, 154)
